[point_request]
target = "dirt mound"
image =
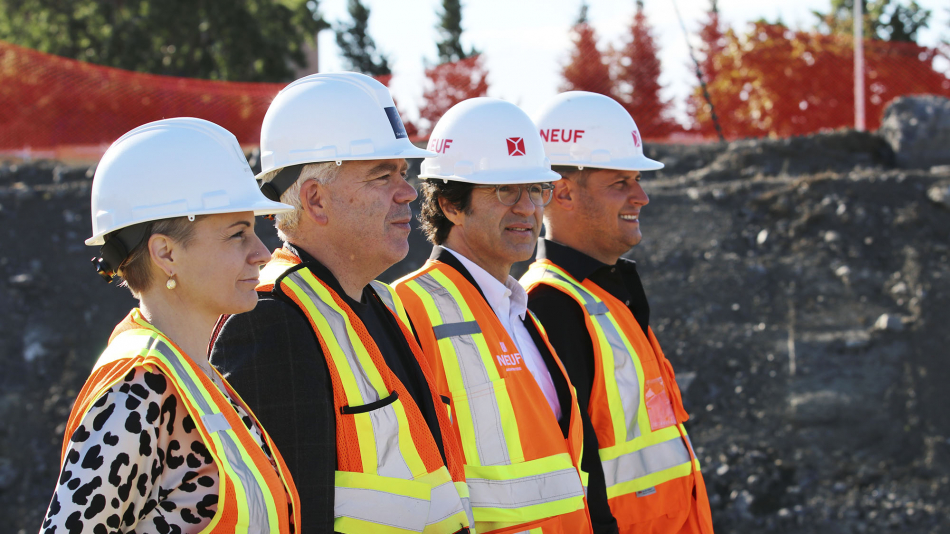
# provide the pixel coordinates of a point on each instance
(804, 304)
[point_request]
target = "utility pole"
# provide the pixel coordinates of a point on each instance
(859, 123)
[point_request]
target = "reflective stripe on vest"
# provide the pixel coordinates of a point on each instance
(504, 486)
(640, 457)
(255, 508)
(394, 492)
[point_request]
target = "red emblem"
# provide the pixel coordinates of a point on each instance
(515, 146)
(636, 139)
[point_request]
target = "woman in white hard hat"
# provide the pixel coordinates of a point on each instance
(157, 441)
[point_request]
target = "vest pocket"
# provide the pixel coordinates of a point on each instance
(375, 405)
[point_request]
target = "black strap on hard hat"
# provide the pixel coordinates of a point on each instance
(117, 248)
(285, 178)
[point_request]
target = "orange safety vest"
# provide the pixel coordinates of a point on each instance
(252, 497)
(390, 476)
(522, 473)
(654, 482)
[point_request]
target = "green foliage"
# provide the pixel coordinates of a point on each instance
(357, 47)
(237, 40)
(450, 31)
(884, 20)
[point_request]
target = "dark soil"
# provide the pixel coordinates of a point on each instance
(767, 263)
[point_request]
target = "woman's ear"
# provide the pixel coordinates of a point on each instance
(313, 201)
(163, 250)
(451, 211)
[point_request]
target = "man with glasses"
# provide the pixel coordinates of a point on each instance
(507, 394)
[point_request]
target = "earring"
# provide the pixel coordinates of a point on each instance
(171, 283)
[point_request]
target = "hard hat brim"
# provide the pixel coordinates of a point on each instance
(641, 163)
(261, 207)
(412, 152)
(499, 177)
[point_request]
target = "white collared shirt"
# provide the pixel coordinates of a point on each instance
(509, 301)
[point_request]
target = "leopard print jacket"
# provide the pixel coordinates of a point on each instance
(136, 463)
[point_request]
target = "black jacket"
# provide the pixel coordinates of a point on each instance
(272, 358)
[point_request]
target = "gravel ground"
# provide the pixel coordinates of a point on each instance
(800, 287)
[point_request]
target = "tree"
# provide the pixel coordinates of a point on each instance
(237, 40)
(356, 45)
(884, 20)
(460, 75)
(587, 70)
(713, 42)
(639, 80)
(450, 30)
(780, 83)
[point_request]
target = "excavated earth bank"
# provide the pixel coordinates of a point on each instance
(800, 287)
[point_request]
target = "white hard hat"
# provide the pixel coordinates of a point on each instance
(487, 141)
(592, 130)
(333, 117)
(173, 168)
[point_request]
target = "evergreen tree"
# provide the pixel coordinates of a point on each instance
(639, 80)
(450, 30)
(460, 75)
(587, 70)
(356, 45)
(884, 20)
(237, 40)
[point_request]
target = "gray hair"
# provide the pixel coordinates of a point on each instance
(323, 173)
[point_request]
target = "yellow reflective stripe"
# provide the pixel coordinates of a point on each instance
(272, 271)
(364, 426)
(487, 359)
(618, 418)
(205, 403)
(646, 440)
(649, 481)
(397, 505)
(453, 376)
(526, 514)
(506, 411)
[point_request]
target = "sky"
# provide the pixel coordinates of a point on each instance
(525, 43)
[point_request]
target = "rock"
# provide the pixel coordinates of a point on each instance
(8, 474)
(762, 237)
(818, 407)
(918, 130)
(889, 322)
(940, 195)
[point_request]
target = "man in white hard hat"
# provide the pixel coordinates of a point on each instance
(509, 397)
(327, 358)
(592, 303)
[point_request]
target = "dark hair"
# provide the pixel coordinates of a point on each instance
(435, 224)
(574, 174)
(135, 270)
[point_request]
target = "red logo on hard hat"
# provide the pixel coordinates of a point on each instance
(515, 146)
(439, 145)
(636, 139)
(559, 135)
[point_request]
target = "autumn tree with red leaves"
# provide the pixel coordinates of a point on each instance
(777, 82)
(460, 73)
(587, 70)
(638, 80)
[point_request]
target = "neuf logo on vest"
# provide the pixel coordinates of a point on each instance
(511, 362)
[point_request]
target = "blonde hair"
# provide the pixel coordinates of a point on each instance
(135, 270)
(287, 223)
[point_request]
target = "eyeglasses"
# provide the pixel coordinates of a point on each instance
(509, 195)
